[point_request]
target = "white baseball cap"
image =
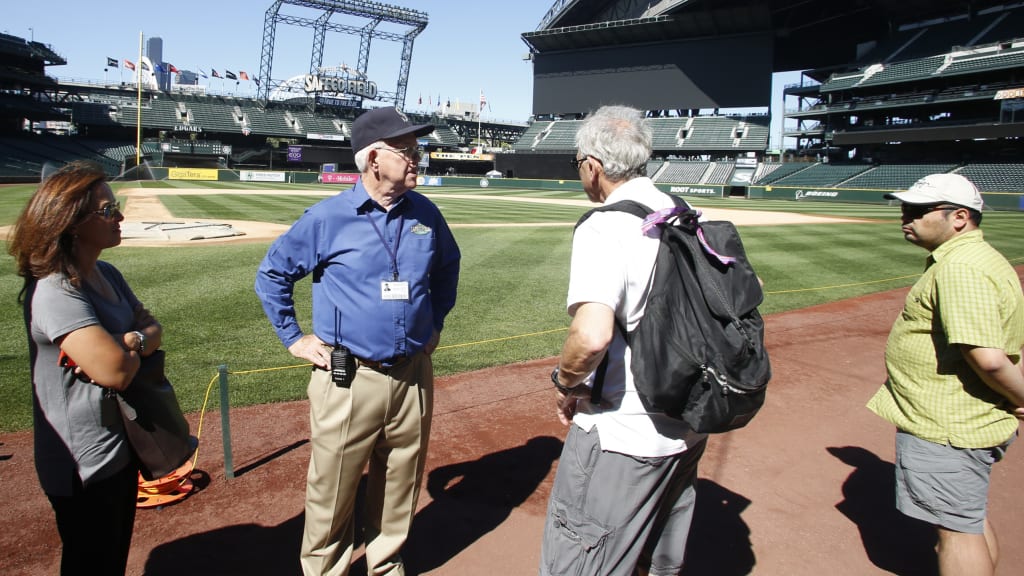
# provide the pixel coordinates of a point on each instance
(939, 188)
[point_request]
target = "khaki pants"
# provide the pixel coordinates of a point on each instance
(380, 419)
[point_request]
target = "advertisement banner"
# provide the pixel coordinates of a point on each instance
(461, 156)
(191, 173)
(295, 153)
(338, 178)
(429, 181)
(705, 190)
(258, 176)
(318, 136)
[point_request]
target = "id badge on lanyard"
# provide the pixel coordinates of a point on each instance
(394, 290)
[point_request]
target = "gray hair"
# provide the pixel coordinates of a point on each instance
(362, 156)
(619, 137)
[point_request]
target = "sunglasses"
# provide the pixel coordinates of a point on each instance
(108, 211)
(915, 211)
(413, 153)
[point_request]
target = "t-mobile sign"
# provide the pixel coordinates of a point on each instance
(338, 178)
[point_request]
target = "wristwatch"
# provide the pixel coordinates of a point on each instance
(558, 385)
(142, 340)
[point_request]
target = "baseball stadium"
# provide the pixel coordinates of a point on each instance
(888, 91)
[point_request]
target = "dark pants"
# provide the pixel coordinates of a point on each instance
(95, 524)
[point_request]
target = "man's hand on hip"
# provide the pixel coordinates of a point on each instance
(311, 348)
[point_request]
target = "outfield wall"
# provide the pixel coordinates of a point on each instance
(994, 200)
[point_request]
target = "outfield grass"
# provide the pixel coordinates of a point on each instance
(511, 297)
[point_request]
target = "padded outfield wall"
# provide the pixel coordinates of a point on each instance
(993, 200)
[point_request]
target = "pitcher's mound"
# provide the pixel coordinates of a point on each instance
(153, 232)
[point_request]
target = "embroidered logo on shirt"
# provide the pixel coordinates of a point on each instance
(420, 229)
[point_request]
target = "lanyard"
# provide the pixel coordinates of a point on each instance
(398, 238)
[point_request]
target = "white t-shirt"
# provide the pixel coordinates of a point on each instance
(612, 262)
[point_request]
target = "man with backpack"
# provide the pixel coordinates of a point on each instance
(623, 495)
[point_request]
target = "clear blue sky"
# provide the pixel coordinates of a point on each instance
(467, 46)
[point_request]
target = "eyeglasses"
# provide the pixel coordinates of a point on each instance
(915, 211)
(413, 153)
(108, 211)
(577, 162)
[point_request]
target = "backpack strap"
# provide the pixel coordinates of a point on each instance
(629, 206)
(641, 211)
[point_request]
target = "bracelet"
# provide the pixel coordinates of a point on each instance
(142, 340)
(558, 385)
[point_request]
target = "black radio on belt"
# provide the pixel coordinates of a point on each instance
(343, 366)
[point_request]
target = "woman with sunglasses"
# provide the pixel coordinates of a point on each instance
(87, 332)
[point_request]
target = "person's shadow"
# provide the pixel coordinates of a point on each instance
(894, 542)
(470, 499)
(242, 549)
(719, 541)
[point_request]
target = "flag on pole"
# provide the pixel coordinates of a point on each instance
(129, 64)
(172, 69)
(203, 74)
(230, 75)
(421, 99)
(159, 68)
(214, 73)
(256, 80)
(243, 75)
(144, 66)
(111, 62)
(483, 101)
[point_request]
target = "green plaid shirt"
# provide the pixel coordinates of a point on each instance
(968, 294)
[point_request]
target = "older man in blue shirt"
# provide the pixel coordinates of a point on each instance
(385, 270)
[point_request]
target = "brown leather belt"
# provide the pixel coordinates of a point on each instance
(382, 366)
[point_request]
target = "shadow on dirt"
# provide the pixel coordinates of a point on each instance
(473, 498)
(893, 542)
(243, 549)
(469, 499)
(719, 541)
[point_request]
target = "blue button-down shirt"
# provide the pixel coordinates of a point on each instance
(336, 241)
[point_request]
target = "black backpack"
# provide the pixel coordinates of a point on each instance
(698, 353)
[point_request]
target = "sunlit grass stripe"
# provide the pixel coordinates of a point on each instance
(281, 209)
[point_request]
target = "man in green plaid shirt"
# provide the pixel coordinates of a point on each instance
(956, 386)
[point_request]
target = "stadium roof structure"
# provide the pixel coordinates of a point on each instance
(807, 33)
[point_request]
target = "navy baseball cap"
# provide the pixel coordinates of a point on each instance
(383, 124)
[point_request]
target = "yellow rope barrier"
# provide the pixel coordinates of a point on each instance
(833, 287)
(501, 339)
(553, 330)
(209, 387)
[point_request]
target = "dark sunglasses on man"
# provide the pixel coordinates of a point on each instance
(915, 211)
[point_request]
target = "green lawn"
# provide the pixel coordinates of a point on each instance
(512, 291)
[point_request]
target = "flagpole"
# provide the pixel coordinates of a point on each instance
(138, 111)
(479, 112)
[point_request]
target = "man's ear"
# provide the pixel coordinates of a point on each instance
(596, 169)
(961, 219)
